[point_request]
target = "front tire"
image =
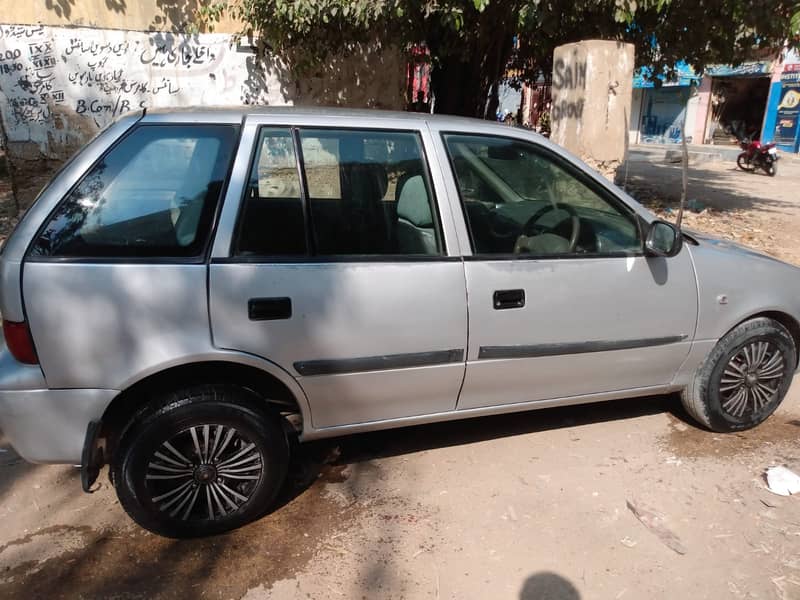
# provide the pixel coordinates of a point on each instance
(201, 461)
(772, 169)
(745, 378)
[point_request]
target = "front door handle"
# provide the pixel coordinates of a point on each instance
(504, 299)
(269, 309)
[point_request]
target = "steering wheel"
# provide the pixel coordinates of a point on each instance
(526, 242)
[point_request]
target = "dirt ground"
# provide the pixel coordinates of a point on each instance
(532, 506)
(750, 208)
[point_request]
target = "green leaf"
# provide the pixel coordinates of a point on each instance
(471, 40)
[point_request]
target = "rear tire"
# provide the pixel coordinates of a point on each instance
(201, 461)
(745, 378)
(743, 163)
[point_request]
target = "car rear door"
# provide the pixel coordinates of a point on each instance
(334, 261)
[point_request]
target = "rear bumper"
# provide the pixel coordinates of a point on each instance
(49, 426)
(43, 425)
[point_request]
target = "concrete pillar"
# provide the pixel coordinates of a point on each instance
(692, 104)
(591, 107)
(636, 116)
(703, 108)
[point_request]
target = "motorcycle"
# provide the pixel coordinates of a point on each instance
(758, 156)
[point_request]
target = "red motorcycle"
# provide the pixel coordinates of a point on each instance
(758, 156)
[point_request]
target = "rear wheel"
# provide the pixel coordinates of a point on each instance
(743, 163)
(202, 461)
(745, 377)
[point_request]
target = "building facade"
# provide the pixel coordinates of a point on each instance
(657, 113)
(757, 100)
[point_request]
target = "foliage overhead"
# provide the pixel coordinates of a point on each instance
(473, 42)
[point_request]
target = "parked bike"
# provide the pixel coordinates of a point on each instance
(757, 156)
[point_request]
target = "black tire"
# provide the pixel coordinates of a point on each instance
(772, 169)
(729, 390)
(226, 488)
(743, 163)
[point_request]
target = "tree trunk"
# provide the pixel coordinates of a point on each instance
(462, 83)
(458, 88)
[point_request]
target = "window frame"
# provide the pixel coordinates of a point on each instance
(570, 169)
(311, 255)
(205, 250)
(240, 209)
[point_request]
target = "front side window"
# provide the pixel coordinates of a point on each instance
(520, 201)
(152, 195)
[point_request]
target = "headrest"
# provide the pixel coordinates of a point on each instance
(413, 204)
(374, 173)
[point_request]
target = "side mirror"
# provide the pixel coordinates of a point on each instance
(663, 239)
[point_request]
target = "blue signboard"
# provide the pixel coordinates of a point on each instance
(786, 122)
(762, 67)
(685, 76)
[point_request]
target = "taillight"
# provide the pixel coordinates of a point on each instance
(19, 342)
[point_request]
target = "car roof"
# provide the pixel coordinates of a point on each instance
(229, 114)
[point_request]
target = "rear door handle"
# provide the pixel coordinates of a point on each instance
(504, 299)
(269, 309)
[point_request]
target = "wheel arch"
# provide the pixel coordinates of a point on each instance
(788, 321)
(268, 381)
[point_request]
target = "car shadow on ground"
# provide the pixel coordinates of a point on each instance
(396, 442)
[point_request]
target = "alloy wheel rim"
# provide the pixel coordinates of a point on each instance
(751, 378)
(206, 472)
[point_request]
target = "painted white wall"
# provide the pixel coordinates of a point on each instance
(58, 86)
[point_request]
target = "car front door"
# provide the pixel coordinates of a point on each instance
(335, 268)
(562, 301)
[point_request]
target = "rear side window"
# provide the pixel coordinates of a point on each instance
(271, 222)
(369, 193)
(152, 195)
(363, 192)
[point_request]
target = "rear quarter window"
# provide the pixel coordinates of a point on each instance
(153, 194)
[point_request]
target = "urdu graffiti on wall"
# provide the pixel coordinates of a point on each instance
(60, 85)
(569, 84)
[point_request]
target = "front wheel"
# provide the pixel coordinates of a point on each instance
(743, 163)
(201, 462)
(745, 377)
(771, 169)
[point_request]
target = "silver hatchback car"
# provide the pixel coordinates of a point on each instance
(196, 289)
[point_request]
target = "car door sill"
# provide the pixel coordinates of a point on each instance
(310, 433)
